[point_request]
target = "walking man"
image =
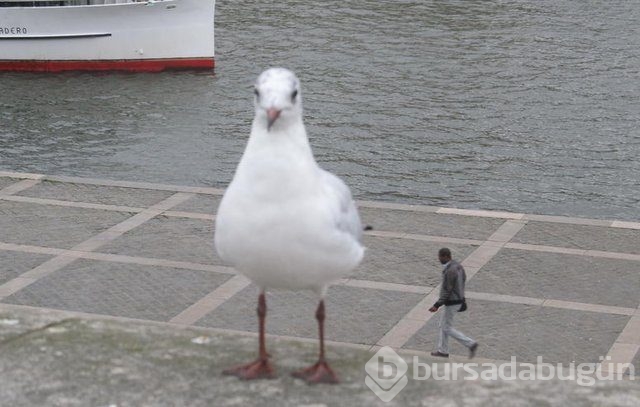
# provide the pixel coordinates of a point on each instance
(452, 298)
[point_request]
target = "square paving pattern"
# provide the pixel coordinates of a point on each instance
(405, 261)
(179, 239)
(95, 194)
(200, 204)
(13, 264)
(355, 315)
(53, 226)
(134, 291)
(580, 237)
(555, 287)
(561, 277)
(558, 335)
(425, 223)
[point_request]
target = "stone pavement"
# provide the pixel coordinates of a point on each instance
(563, 288)
(61, 358)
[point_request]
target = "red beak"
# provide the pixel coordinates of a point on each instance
(272, 116)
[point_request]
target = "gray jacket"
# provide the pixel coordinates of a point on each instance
(452, 289)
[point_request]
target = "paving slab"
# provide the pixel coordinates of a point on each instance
(589, 296)
(75, 361)
(200, 204)
(561, 277)
(96, 194)
(169, 238)
(53, 226)
(405, 261)
(580, 237)
(131, 290)
(424, 223)
(526, 331)
(6, 181)
(12, 264)
(636, 365)
(355, 315)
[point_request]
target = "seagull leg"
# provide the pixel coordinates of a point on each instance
(260, 368)
(320, 372)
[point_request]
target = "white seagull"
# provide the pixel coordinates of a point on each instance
(284, 222)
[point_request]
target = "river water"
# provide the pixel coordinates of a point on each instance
(527, 106)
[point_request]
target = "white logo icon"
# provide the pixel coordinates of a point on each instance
(386, 374)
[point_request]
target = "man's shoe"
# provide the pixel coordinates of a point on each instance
(472, 350)
(440, 354)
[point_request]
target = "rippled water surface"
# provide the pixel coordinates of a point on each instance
(528, 106)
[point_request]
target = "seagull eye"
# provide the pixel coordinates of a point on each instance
(255, 91)
(293, 95)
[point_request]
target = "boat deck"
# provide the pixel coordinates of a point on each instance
(558, 287)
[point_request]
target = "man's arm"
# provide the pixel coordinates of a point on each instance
(448, 285)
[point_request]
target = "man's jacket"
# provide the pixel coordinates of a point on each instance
(452, 289)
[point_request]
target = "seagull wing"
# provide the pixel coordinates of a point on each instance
(345, 213)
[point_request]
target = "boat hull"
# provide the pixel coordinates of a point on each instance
(141, 36)
(129, 65)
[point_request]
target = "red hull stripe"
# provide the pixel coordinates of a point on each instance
(138, 65)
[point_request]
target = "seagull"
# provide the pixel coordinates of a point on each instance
(284, 222)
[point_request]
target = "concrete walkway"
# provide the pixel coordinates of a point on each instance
(562, 288)
(58, 358)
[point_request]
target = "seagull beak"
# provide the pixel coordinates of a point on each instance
(272, 116)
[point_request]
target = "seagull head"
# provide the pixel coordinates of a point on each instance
(278, 100)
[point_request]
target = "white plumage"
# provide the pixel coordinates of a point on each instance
(284, 222)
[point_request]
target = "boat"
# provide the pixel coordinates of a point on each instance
(102, 35)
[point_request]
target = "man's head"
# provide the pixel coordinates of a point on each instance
(444, 255)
